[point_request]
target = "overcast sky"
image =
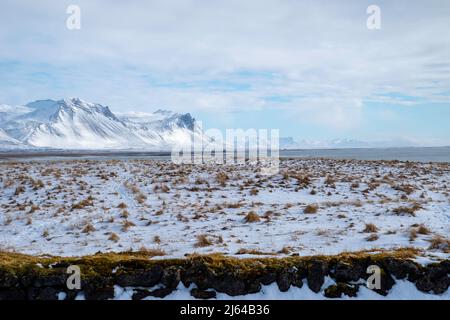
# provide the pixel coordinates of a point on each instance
(310, 68)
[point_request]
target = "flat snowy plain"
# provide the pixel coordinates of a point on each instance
(312, 206)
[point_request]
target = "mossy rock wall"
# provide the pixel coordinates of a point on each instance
(44, 278)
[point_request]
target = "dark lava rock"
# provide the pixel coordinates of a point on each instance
(230, 285)
(346, 272)
(140, 294)
(92, 291)
(386, 283)
(160, 293)
(171, 277)
(71, 294)
(401, 269)
(27, 279)
(252, 285)
(47, 293)
(203, 294)
(268, 278)
(13, 294)
(287, 278)
(434, 278)
(317, 271)
(139, 277)
(55, 280)
(337, 290)
(8, 280)
(198, 273)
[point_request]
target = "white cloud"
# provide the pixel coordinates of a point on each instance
(318, 53)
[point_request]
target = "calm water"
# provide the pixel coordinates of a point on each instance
(438, 154)
(441, 154)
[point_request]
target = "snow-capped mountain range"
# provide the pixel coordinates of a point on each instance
(290, 143)
(76, 124)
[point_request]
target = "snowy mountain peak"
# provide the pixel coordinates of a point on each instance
(77, 105)
(164, 112)
(73, 123)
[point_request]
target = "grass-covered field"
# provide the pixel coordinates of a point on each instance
(311, 207)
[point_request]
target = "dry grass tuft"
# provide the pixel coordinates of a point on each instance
(203, 241)
(157, 239)
(88, 202)
(311, 208)
(127, 225)
(125, 214)
(254, 252)
(222, 178)
(88, 228)
(252, 217)
(407, 210)
(412, 234)
(113, 237)
(423, 230)
(122, 205)
(372, 237)
(440, 243)
(151, 252)
(19, 190)
(370, 228)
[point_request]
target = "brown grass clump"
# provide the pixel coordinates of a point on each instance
(285, 250)
(8, 183)
(34, 208)
(37, 184)
(222, 178)
(141, 198)
(88, 228)
(252, 217)
(254, 192)
(203, 241)
(423, 230)
(372, 237)
(311, 208)
(127, 225)
(19, 190)
(370, 228)
(407, 210)
(329, 181)
(88, 202)
(406, 188)
(113, 237)
(253, 252)
(149, 252)
(122, 206)
(165, 188)
(412, 234)
(125, 214)
(303, 181)
(440, 243)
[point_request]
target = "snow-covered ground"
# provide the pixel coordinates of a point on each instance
(402, 290)
(81, 207)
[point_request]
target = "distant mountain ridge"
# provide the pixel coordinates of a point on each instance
(290, 143)
(76, 124)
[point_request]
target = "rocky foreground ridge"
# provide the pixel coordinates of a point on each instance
(44, 278)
